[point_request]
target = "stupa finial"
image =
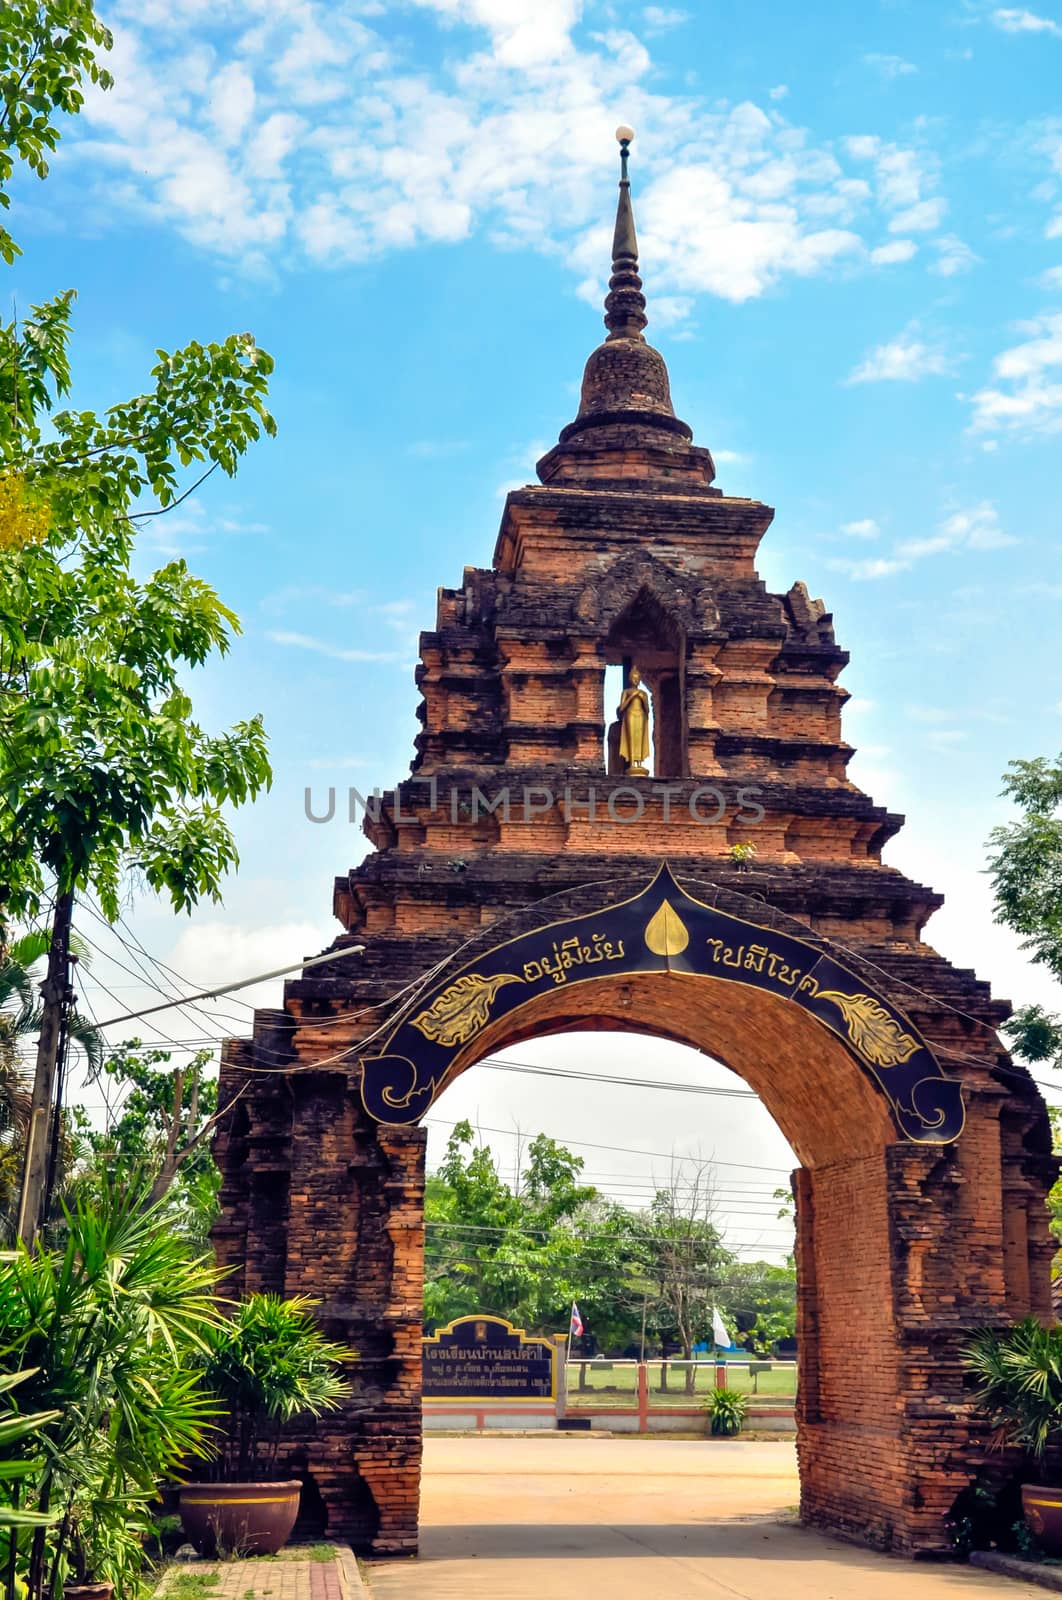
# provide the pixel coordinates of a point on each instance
(625, 305)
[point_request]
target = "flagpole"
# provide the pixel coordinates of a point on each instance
(571, 1324)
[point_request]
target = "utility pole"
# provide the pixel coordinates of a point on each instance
(54, 992)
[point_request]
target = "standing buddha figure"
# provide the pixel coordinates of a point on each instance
(633, 717)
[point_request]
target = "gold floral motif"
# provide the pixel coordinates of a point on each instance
(463, 1009)
(665, 932)
(875, 1034)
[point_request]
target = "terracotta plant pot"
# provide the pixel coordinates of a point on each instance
(1043, 1515)
(88, 1591)
(252, 1519)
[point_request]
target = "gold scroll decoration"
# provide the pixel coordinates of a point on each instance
(463, 1009)
(876, 1035)
(665, 932)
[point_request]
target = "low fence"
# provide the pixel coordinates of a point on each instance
(636, 1397)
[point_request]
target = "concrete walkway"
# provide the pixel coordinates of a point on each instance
(640, 1519)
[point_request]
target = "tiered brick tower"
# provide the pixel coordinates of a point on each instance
(627, 553)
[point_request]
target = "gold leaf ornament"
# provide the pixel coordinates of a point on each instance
(877, 1036)
(459, 1013)
(665, 932)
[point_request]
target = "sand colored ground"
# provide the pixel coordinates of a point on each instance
(640, 1519)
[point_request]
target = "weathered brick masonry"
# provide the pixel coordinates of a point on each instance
(626, 552)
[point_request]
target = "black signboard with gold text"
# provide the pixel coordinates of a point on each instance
(660, 930)
(486, 1358)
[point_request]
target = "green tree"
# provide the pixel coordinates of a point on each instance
(20, 1020)
(109, 1330)
(760, 1297)
(104, 770)
(160, 1140)
(48, 49)
(514, 1251)
(103, 766)
(686, 1256)
(1026, 860)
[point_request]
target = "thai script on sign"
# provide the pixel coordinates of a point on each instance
(757, 958)
(571, 953)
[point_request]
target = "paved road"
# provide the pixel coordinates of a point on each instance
(640, 1519)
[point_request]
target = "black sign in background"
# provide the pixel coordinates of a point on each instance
(660, 930)
(486, 1358)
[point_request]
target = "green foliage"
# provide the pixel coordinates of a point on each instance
(762, 1299)
(511, 1252)
(159, 1141)
(1026, 860)
(20, 1019)
(103, 767)
(1019, 1381)
(106, 1331)
(21, 1430)
(526, 1250)
(48, 48)
(727, 1411)
(1035, 1035)
(266, 1365)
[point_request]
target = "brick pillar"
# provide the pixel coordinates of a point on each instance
(350, 1234)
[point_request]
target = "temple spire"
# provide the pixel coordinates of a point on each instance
(626, 433)
(625, 306)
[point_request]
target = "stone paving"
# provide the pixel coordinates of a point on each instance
(626, 1519)
(298, 1573)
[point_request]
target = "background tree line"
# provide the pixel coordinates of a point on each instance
(643, 1278)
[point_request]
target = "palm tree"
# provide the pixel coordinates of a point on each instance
(1018, 1372)
(105, 1336)
(20, 1021)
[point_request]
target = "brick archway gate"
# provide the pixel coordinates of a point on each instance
(805, 970)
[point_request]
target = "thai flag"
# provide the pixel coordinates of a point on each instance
(575, 1330)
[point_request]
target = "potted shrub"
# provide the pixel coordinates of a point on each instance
(726, 1410)
(1019, 1384)
(98, 1340)
(267, 1366)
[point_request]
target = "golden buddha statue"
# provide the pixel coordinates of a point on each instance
(633, 717)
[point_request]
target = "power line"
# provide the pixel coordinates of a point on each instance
(619, 1149)
(499, 1065)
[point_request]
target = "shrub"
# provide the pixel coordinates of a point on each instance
(267, 1365)
(1019, 1382)
(727, 1411)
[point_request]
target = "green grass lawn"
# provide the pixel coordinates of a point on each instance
(616, 1383)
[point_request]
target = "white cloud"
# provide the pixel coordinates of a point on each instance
(1027, 394)
(973, 528)
(1052, 278)
(896, 250)
(890, 66)
(779, 91)
(953, 256)
(658, 19)
(232, 99)
(304, 641)
(1014, 20)
(920, 218)
(905, 359)
(872, 567)
(904, 180)
(268, 134)
(730, 458)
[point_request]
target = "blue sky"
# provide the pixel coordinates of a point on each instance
(851, 231)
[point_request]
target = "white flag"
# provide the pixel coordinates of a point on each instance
(719, 1333)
